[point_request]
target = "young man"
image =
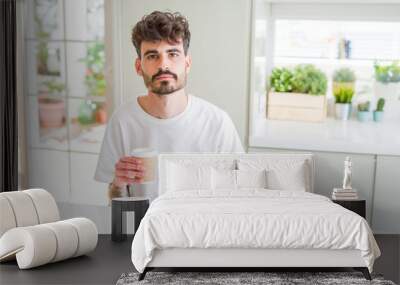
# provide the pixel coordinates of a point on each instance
(166, 119)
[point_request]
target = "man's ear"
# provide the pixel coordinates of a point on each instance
(138, 66)
(188, 62)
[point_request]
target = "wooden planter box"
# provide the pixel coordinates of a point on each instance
(296, 106)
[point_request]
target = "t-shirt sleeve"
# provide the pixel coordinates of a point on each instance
(111, 151)
(229, 138)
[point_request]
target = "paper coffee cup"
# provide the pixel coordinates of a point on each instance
(148, 156)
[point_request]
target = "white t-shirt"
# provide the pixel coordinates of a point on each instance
(201, 127)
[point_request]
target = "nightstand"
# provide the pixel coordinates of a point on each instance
(119, 206)
(357, 206)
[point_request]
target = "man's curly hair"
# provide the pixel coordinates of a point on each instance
(158, 26)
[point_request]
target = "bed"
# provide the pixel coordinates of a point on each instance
(244, 211)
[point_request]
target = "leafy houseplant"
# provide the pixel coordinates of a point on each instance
(343, 98)
(309, 80)
(387, 80)
(343, 77)
(53, 87)
(281, 80)
(305, 79)
(42, 56)
(43, 30)
(297, 94)
(90, 112)
(363, 111)
(51, 110)
(378, 113)
(387, 73)
(95, 63)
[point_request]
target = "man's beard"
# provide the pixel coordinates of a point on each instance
(165, 87)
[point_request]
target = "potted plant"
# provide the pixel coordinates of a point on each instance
(51, 87)
(363, 111)
(378, 113)
(95, 62)
(343, 77)
(343, 98)
(387, 80)
(297, 94)
(51, 110)
(101, 113)
(86, 112)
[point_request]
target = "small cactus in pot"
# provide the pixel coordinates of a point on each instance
(363, 111)
(378, 113)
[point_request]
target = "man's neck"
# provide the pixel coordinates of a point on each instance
(164, 106)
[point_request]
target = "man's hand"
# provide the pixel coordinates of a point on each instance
(128, 170)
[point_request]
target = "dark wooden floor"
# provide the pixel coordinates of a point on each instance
(102, 266)
(110, 260)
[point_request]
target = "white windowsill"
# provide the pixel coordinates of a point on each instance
(351, 136)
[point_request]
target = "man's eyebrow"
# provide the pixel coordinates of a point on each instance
(174, 50)
(150, 51)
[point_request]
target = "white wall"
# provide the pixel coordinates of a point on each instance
(219, 47)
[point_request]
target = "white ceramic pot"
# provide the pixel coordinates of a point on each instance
(342, 111)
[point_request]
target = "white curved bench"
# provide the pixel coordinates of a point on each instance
(31, 231)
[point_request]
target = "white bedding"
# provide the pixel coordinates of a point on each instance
(251, 218)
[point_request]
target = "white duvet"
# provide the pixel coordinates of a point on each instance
(251, 218)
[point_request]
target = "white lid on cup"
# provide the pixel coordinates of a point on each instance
(143, 152)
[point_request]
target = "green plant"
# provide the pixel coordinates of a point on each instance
(380, 105)
(95, 62)
(280, 80)
(344, 95)
(42, 56)
(53, 86)
(387, 73)
(308, 79)
(363, 107)
(344, 75)
(42, 35)
(304, 78)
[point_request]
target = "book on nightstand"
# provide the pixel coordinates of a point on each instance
(344, 194)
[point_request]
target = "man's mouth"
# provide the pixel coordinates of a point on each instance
(164, 76)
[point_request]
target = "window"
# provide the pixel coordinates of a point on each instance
(329, 36)
(65, 98)
(336, 44)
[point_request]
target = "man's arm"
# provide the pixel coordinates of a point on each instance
(113, 167)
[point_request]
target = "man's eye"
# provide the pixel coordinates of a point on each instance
(173, 54)
(152, 56)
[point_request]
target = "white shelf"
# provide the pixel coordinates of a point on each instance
(351, 136)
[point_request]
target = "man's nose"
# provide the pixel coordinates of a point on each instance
(164, 62)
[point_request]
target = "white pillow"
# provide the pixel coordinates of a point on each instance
(282, 174)
(293, 179)
(224, 179)
(251, 178)
(188, 177)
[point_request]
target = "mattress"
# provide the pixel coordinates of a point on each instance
(250, 219)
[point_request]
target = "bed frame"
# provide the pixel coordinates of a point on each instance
(252, 259)
(248, 259)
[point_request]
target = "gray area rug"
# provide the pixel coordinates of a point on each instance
(229, 278)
